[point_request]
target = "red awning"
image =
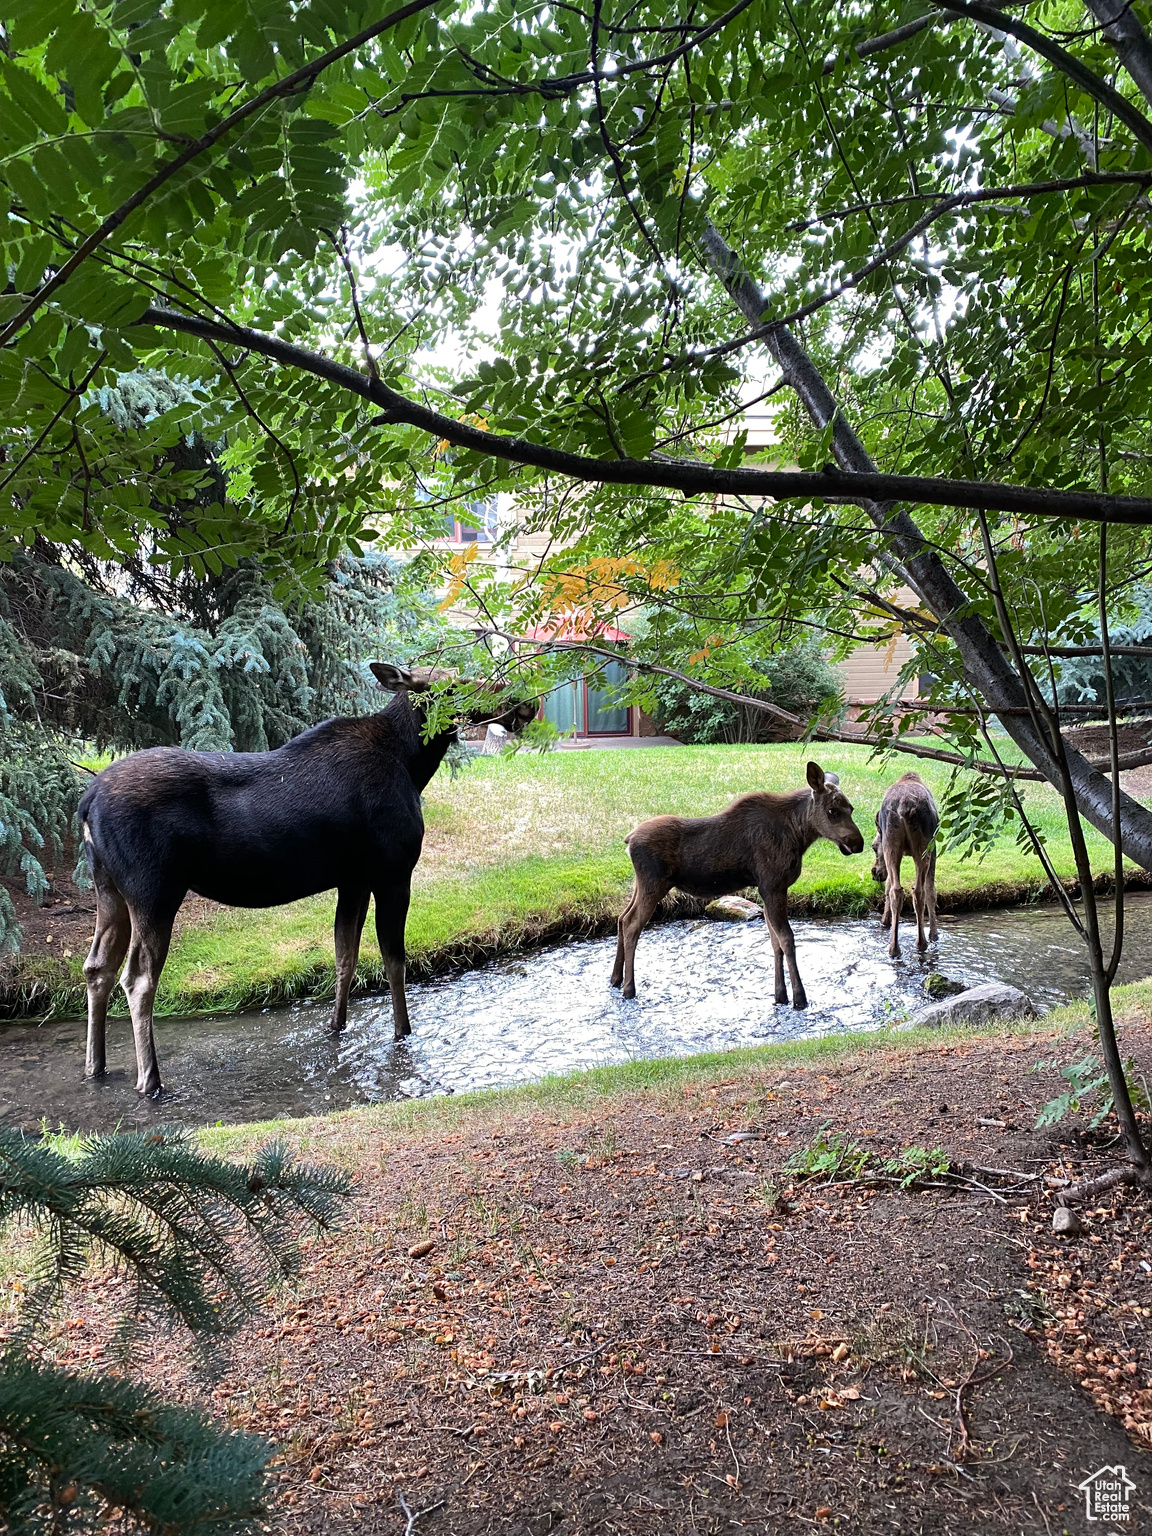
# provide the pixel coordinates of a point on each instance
(577, 630)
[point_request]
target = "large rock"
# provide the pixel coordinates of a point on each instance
(984, 1004)
(733, 909)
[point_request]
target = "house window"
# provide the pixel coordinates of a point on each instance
(477, 522)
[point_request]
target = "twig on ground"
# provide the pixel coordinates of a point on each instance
(1075, 1193)
(976, 1184)
(580, 1359)
(972, 1380)
(413, 1515)
(1003, 1173)
(732, 1448)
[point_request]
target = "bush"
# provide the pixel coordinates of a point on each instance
(798, 680)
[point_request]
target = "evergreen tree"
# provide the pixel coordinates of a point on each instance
(200, 1239)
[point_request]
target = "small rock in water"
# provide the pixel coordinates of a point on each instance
(1065, 1222)
(733, 909)
(414, 1088)
(938, 986)
(984, 1004)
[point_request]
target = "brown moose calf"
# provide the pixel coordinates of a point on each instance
(906, 824)
(759, 840)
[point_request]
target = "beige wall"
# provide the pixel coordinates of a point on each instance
(869, 673)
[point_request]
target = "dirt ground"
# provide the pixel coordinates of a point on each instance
(63, 926)
(609, 1319)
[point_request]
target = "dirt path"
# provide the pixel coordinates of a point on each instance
(607, 1319)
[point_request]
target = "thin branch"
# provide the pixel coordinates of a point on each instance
(265, 428)
(983, 194)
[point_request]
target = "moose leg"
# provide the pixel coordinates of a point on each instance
(781, 993)
(930, 893)
(776, 916)
(109, 946)
(617, 976)
(895, 902)
(920, 899)
(147, 952)
(351, 910)
(391, 915)
(639, 914)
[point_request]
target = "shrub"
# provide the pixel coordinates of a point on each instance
(798, 680)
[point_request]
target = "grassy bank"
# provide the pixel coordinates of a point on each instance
(523, 849)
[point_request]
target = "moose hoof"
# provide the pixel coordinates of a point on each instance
(615, 981)
(629, 990)
(152, 1088)
(800, 1003)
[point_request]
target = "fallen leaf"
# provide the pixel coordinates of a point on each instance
(721, 1420)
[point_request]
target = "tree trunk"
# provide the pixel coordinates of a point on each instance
(1129, 39)
(985, 665)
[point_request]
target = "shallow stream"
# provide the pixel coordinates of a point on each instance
(701, 986)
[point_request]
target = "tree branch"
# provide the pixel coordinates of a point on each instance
(689, 476)
(885, 41)
(815, 732)
(1089, 82)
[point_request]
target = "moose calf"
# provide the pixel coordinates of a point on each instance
(759, 840)
(906, 823)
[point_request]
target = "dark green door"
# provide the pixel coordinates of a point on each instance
(562, 707)
(606, 715)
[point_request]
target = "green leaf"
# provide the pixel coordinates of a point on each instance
(32, 97)
(28, 188)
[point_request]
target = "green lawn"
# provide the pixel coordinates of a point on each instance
(520, 847)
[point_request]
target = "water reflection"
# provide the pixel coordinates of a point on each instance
(702, 986)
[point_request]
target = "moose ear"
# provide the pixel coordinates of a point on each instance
(816, 776)
(394, 678)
